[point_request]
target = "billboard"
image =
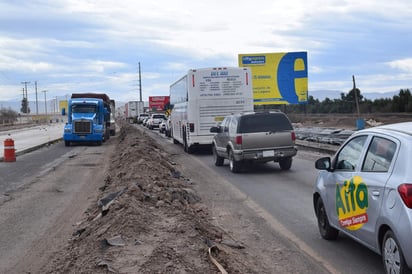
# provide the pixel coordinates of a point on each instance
(278, 78)
(157, 103)
(63, 105)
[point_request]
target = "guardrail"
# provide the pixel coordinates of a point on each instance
(319, 147)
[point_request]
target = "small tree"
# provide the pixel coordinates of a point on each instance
(7, 115)
(25, 106)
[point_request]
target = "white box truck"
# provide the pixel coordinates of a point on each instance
(133, 110)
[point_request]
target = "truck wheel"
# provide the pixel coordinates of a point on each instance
(67, 143)
(285, 163)
(216, 158)
(326, 231)
(234, 165)
(186, 145)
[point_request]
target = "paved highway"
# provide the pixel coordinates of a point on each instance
(284, 199)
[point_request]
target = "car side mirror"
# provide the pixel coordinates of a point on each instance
(214, 129)
(323, 164)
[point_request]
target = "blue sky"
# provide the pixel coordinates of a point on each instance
(71, 46)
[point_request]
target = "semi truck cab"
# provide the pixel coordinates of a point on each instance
(87, 121)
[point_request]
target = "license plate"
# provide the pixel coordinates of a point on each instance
(268, 153)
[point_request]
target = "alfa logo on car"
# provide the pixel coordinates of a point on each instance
(352, 203)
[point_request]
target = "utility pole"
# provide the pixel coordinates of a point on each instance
(45, 100)
(37, 104)
(25, 85)
(356, 96)
(140, 83)
(26, 107)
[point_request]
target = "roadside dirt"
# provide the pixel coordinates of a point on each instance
(160, 212)
(157, 210)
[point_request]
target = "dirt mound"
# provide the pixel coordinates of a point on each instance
(348, 121)
(148, 220)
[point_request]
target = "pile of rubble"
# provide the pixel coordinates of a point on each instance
(148, 219)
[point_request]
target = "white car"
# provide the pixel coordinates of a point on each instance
(141, 117)
(155, 120)
(162, 126)
(365, 192)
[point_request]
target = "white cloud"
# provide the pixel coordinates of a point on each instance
(96, 44)
(402, 65)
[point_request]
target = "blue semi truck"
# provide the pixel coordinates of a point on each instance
(88, 118)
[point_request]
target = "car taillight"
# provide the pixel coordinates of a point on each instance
(405, 190)
(293, 135)
(238, 140)
(192, 127)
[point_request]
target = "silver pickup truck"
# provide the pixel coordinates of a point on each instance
(254, 137)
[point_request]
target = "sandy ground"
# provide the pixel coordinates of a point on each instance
(156, 213)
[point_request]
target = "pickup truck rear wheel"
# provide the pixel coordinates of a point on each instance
(285, 163)
(234, 165)
(216, 158)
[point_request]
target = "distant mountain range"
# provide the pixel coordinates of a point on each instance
(317, 94)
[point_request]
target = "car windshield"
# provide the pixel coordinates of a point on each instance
(160, 116)
(267, 122)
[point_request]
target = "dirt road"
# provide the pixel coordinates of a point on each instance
(37, 220)
(147, 209)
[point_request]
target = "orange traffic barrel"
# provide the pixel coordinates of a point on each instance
(9, 151)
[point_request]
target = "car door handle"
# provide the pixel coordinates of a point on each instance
(375, 193)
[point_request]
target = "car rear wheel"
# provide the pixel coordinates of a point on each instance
(234, 165)
(326, 231)
(216, 158)
(392, 255)
(285, 163)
